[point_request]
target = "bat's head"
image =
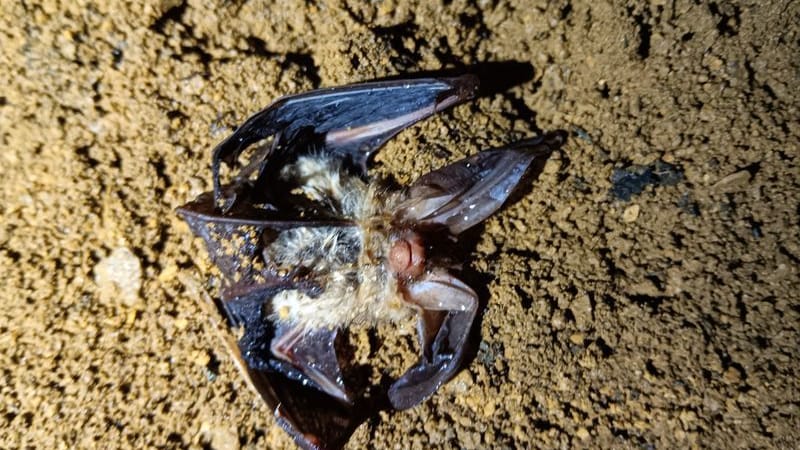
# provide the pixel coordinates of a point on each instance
(406, 257)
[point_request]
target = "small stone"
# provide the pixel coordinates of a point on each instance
(780, 273)
(734, 182)
(687, 418)
(732, 376)
(581, 307)
(119, 277)
(630, 214)
(181, 323)
(715, 63)
(461, 383)
(131, 318)
(169, 273)
(582, 433)
(219, 436)
(557, 321)
(552, 166)
(200, 358)
(489, 409)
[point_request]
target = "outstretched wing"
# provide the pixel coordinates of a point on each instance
(457, 197)
(314, 421)
(468, 191)
(296, 373)
(350, 122)
(282, 378)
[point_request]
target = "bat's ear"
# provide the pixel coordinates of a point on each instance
(466, 192)
(349, 122)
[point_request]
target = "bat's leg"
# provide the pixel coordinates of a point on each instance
(313, 354)
(428, 325)
(448, 311)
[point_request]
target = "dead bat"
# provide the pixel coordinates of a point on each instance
(309, 245)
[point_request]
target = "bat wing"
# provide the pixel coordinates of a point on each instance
(313, 353)
(233, 243)
(279, 363)
(350, 122)
(466, 192)
(457, 196)
(448, 311)
(313, 419)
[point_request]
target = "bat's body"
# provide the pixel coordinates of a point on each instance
(310, 245)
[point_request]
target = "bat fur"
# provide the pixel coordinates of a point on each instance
(358, 289)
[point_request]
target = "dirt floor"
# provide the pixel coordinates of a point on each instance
(643, 294)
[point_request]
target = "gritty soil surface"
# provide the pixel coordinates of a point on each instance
(668, 320)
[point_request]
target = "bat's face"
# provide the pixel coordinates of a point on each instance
(310, 245)
(406, 256)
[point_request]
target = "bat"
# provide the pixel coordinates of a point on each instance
(310, 245)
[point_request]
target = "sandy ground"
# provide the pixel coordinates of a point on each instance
(669, 320)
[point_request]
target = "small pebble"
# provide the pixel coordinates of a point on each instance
(119, 277)
(630, 214)
(732, 376)
(732, 183)
(489, 409)
(222, 437)
(181, 323)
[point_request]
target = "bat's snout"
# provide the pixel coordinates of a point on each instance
(407, 255)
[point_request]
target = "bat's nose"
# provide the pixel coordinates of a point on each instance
(407, 256)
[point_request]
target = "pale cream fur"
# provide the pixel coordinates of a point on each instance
(350, 262)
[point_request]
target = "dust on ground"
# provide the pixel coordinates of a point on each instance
(665, 321)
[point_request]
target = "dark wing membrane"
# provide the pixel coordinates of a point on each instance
(233, 246)
(468, 191)
(201, 213)
(236, 240)
(350, 121)
(314, 419)
(312, 354)
(448, 311)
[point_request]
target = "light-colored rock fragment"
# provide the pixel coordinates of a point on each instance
(734, 182)
(631, 213)
(119, 277)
